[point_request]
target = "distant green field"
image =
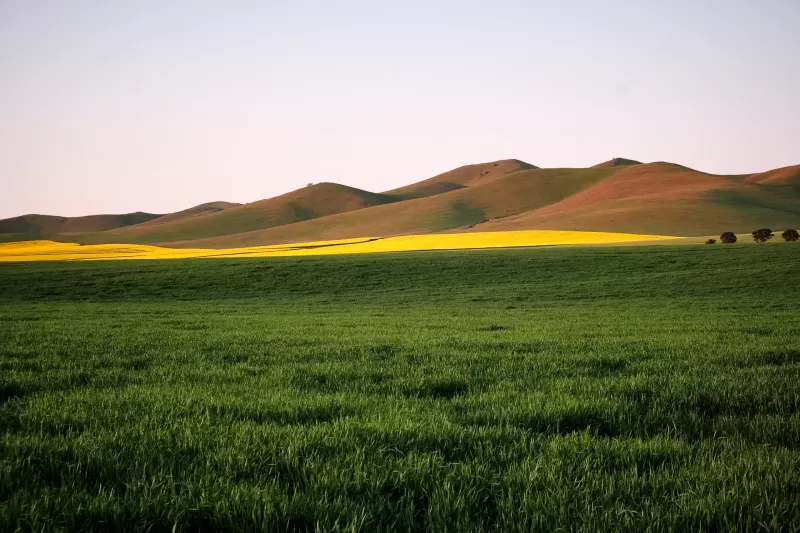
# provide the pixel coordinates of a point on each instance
(571, 389)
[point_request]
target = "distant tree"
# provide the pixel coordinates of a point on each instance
(309, 184)
(728, 237)
(762, 235)
(711, 241)
(790, 235)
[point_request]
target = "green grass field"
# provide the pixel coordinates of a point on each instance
(572, 389)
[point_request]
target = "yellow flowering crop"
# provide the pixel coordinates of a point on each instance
(57, 251)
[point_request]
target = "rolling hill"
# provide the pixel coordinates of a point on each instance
(465, 208)
(320, 200)
(657, 198)
(192, 212)
(47, 224)
(664, 198)
(620, 195)
(618, 162)
(779, 176)
(460, 178)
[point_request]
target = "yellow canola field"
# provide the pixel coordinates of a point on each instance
(58, 251)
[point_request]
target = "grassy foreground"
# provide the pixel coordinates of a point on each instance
(627, 389)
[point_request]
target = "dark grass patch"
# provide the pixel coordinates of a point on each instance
(20, 354)
(81, 379)
(382, 352)
(63, 429)
(618, 461)
(321, 382)
(778, 358)
(758, 331)
(300, 415)
(24, 318)
(9, 421)
(445, 389)
(652, 462)
(493, 327)
(498, 345)
(228, 358)
(605, 366)
(760, 359)
(639, 397)
(314, 382)
(583, 421)
(137, 364)
(10, 390)
(183, 325)
(587, 420)
(21, 366)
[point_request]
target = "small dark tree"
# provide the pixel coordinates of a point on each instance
(762, 235)
(711, 241)
(728, 237)
(790, 235)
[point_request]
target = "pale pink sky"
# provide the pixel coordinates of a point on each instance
(110, 106)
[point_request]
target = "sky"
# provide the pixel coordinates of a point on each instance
(114, 106)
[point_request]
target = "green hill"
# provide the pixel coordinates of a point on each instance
(465, 208)
(311, 202)
(192, 212)
(48, 225)
(460, 178)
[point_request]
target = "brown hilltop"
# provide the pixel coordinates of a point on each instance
(617, 162)
(779, 176)
(460, 178)
(663, 198)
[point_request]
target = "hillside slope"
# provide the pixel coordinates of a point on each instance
(192, 212)
(779, 176)
(460, 178)
(320, 200)
(655, 198)
(618, 162)
(664, 198)
(47, 224)
(468, 207)
(621, 195)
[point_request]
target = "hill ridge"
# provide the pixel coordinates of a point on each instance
(468, 207)
(626, 196)
(313, 201)
(37, 224)
(780, 176)
(618, 162)
(459, 178)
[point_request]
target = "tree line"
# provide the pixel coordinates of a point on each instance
(759, 235)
